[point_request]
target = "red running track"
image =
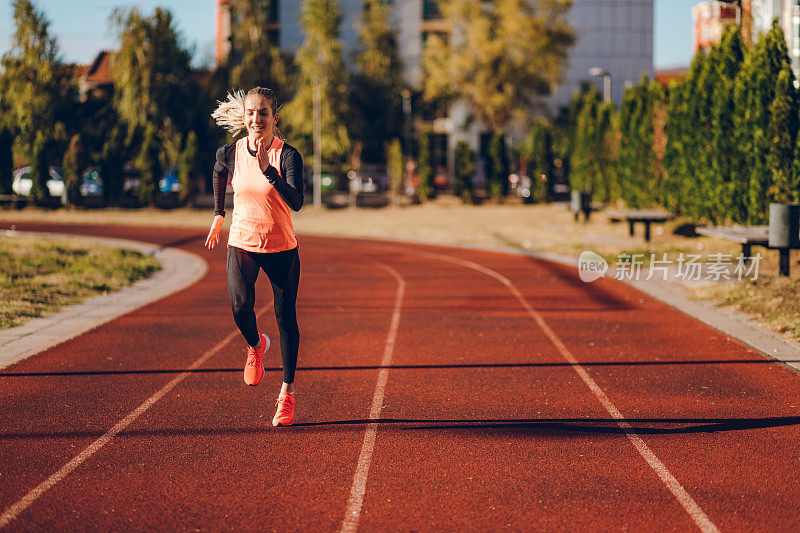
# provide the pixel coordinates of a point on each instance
(438, 388)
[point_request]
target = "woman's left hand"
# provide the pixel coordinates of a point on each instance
(262, 154)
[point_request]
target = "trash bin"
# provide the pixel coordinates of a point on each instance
(784, 225)
(580, 202)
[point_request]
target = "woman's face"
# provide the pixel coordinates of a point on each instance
(258, 117)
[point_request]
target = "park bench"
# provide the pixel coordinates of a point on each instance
(749, 236)
(13, 200)
(581, 202)
(645, 216)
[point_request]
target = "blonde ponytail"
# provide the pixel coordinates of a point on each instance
(229, 114)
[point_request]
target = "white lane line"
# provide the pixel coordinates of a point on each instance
(356, 499)
(692, 508)
(11, 512)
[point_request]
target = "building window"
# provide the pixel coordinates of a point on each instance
(431, 10)
(272, 11)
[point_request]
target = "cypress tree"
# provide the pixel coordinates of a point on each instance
(187, 163)
(498, 177)
(626, 161)
(754, 93)
(149, 166)
(71, 168)
(607, 189)
(701, 109)
(675, 155)
(781, 135)
(6, 161)
(638, 167)
(632, 160)
(464, 170)
(40, 171)
(540, 160)
(725, 152)
(395, 167)
(653, 102)
(584, 150)
(424, 168)
(686, 157)
(113, 160)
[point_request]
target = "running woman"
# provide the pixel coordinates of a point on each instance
(267, 178)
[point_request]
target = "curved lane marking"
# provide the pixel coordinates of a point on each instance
(11, 512)
(359, 487)
(692, 508)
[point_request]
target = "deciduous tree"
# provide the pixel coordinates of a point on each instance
(34, 90)
(500, 58)
(255, 60)
(321, 63)
(151, 70)
(377, 83)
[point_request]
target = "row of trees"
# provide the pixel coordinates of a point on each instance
(157, 114)
(154, 117)
(717, 146)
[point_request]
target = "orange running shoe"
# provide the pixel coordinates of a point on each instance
(284, 416)
(254, 368)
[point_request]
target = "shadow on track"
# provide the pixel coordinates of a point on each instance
(181, 242)
(526, 427)
(594, 292)
(399, 367)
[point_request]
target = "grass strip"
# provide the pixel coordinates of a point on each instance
(39, 276)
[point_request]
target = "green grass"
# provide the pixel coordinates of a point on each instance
(39, 276)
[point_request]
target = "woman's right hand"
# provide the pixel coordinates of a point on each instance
(213, 234)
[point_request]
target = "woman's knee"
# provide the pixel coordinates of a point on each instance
(241, 305)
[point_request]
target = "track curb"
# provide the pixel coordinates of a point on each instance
(179, 269)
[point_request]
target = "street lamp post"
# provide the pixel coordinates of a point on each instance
(406, 94)
(317, 130)
(597, 71)
(317, 145)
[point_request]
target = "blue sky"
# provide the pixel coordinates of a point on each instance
(81, 27)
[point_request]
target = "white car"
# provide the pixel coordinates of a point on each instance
(22, 182)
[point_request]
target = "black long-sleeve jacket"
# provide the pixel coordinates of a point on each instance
(289, 183)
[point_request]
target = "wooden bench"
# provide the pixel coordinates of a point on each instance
(14, 200)
(749, 236)
(645, 216)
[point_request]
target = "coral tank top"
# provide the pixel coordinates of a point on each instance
(261, 219)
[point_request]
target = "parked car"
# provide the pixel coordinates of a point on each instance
(168, 189)
(92, 188)
(22, 182)
(131, 178)
(169, 184)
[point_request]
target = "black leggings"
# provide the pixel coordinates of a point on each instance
(283, 270)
